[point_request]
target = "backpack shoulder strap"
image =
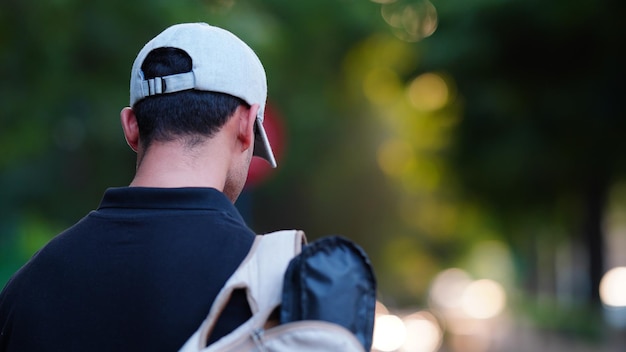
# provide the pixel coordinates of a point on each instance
(261, 274)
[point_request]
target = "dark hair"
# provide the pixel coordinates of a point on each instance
(191, 115)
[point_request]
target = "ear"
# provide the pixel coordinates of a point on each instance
(131, 130)
(247, 120)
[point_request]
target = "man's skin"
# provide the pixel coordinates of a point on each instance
(220, 162)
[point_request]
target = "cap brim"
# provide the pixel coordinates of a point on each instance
(262, 146)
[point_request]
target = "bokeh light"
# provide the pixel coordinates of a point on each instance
(483, 299)
(428, 92)
(395, 156)
(423, 333)
(410, 21)
(613, 287)
(381, 309)
(448, 287)
(467, 307)
(389, 333)
(381, 86)
(491, 259)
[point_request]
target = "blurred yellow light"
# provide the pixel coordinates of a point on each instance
(394, 156)
(483, 299)
(423, 333)
(389, 333)
(613, 287)
(381, 86)
(428, 92)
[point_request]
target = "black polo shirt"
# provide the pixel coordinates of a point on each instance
(139, 273)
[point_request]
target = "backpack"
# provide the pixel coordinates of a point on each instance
(324, 294)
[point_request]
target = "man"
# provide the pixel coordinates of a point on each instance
(141, 272)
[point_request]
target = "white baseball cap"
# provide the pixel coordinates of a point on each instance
(221, 62)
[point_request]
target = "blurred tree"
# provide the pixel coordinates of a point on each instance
(541, 133)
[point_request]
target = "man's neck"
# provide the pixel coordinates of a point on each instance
(172, 165)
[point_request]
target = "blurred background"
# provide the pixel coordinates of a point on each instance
(473, 148)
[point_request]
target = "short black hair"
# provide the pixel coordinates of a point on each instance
(191, 114)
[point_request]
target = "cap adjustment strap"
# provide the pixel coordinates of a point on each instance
(168, 84)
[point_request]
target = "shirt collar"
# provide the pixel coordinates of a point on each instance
(187, 198)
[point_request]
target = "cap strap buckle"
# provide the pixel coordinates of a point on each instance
(168, 84)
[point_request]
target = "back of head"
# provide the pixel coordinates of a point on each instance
(190, 78)
(188, 115)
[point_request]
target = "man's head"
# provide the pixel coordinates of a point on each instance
(188, 115)
(196, 85)
(189, 80)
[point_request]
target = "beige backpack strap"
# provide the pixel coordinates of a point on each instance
(261, 273)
